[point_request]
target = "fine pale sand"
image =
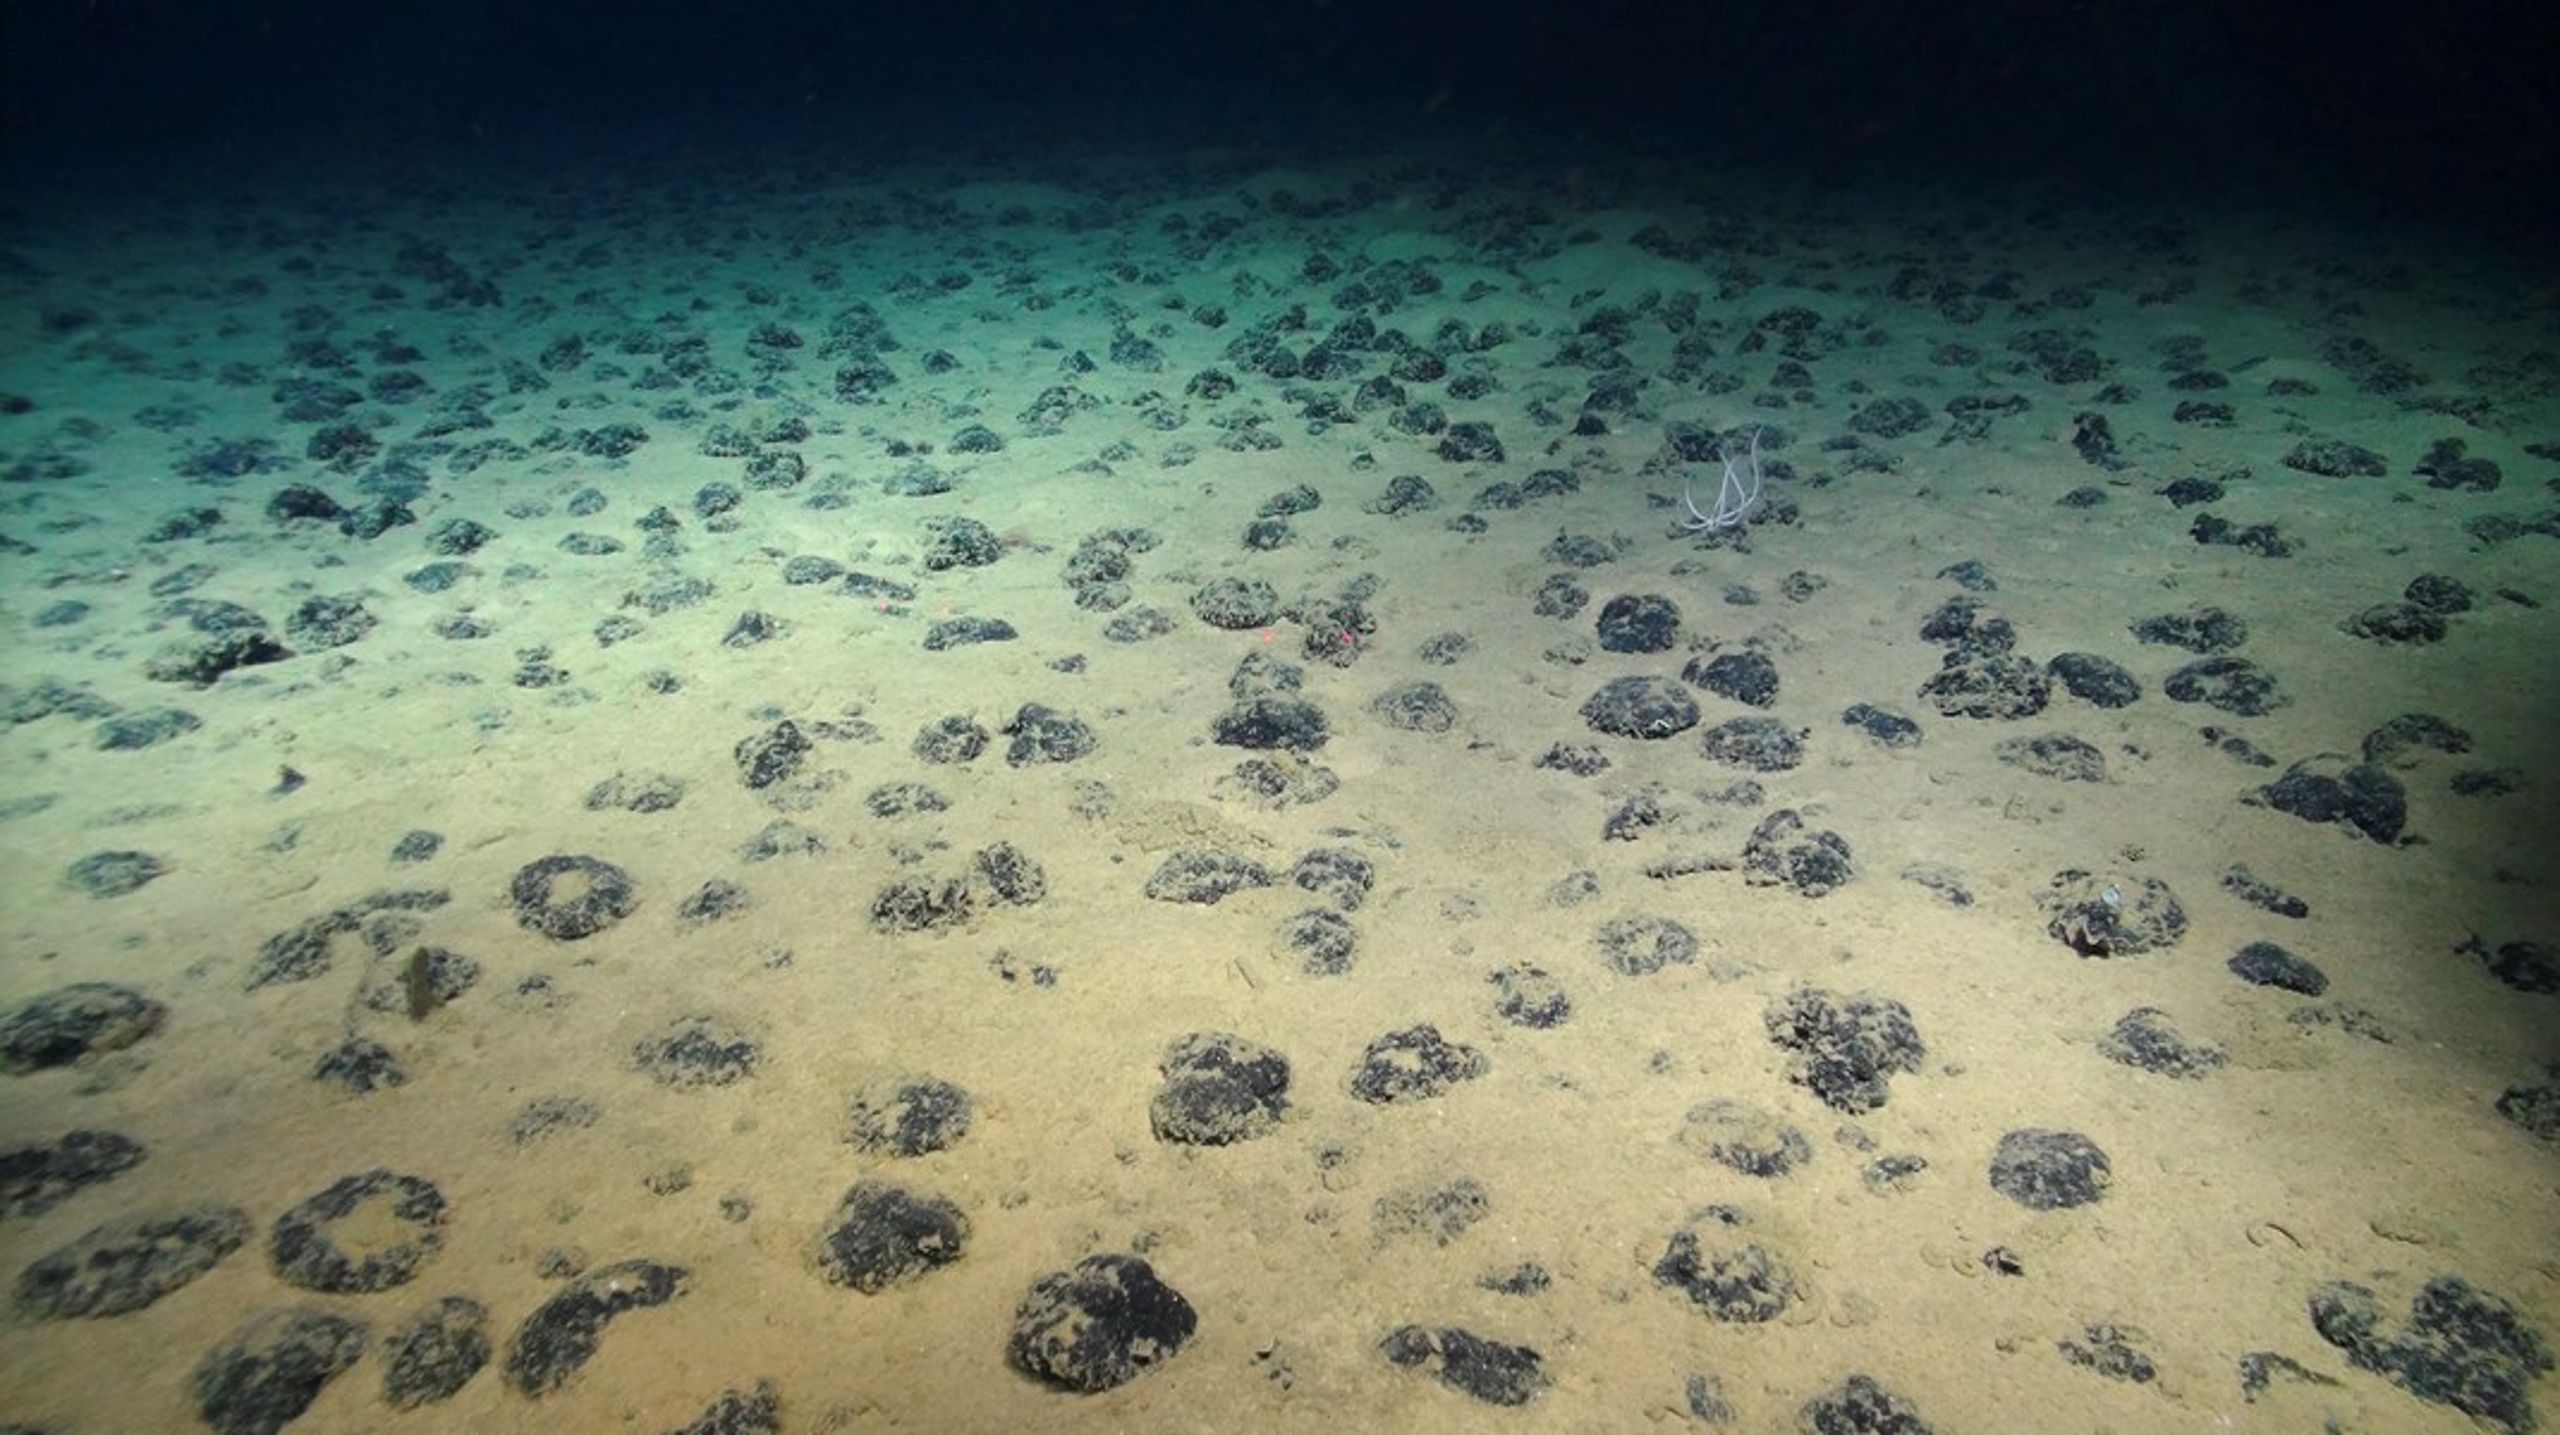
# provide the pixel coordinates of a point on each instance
(2364, 1147)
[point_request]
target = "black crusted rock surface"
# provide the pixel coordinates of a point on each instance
(1203, 876)
(80, 1020)
(267, 1374)
(360, 1064)
(2100, 682)
(1099, 1325)
(302, 951)
(1991, 686)
(201, 660)
(1219, 1089)
(959, 542)
(697, 1051)
(1007, 876)
(1495, 1372)
(2056, 755)
(2535, 1108)
(713, 901)
(1650, 708)
(1418, 706)
(564, 1333)
(1274, 784)
(364, 1233)
(145, 727)
(1860, 1406)
(546, 1116)
(1783, 852)
(1844, 1048)
(2146, 1039)
(1336, 873)
(1758, 744)
(2332, 788)
(636, 792)
(2240, 882)
(1043, 735)
(2205, 629)
(908, 1117)
(739, 1412)
(2235, 685)
(1744, 1138)
(1439, 1211)
(1236, 604)
(2259, 1369)
(1641, 945)
(916, 905)
(956, 738)
(967, 630)
(884, 1235)
(125, 1265)
(775, 755)
(1749, 677)
(2265, 964)
(1322, 939)
(1413, 1065)
(2118, 1352)
(2460, 1346)
(2529, 967)
(1639, 623)
(2046, 1170)
(1529, 996)
(115, 874)
(2397, 623)
(2100, 915)
(326, 620)
(1725, 1273)
(1272, 721)
(2335, 458)
(1886, 727)
(570, 898)
(35, 1179)
(434, 1353)
(2402, 741)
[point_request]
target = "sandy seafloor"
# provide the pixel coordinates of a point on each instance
(2353, 1136)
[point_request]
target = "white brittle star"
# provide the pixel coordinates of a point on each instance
(1734, 498)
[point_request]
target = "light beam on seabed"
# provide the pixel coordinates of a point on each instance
(1734, 497)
